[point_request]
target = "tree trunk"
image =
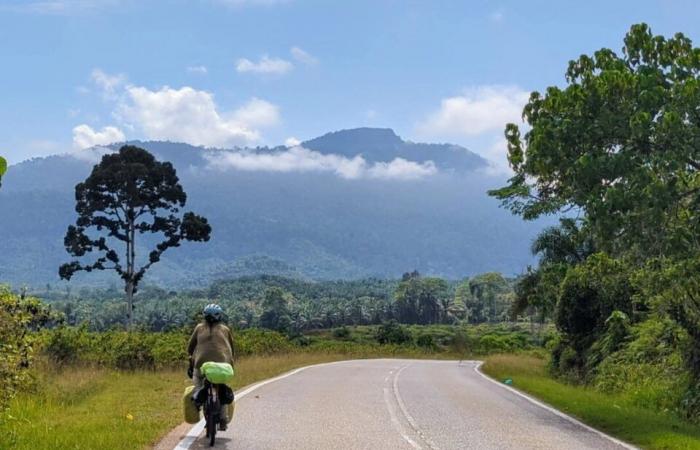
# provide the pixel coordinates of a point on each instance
(130, 263)
(129, 304)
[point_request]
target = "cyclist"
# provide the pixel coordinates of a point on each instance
(210, 341)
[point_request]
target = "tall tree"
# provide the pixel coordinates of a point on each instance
(129, 193)
(276, 314)
(620, 143)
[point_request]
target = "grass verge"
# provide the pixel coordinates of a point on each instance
(85, 408)
(615, 415)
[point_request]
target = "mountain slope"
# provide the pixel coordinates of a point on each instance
(305, 224)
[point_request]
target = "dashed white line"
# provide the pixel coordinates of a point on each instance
(395, 420)
(411, 421)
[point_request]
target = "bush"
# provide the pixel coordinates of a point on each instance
(341, 332)
(65, 345)
(393, 333)
(426, 341)
(19, 318)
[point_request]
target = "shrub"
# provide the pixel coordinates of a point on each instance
(426, 341)
(341, 332)
(19, 318)
(393, 333)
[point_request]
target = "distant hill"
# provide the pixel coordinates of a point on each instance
(309, 225)
(382, 144)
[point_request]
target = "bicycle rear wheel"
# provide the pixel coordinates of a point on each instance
(211, 427)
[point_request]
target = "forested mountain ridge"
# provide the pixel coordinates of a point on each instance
(303, 224)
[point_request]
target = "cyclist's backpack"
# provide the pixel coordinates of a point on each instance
(189, 409)
(225, 394)
(217, 373)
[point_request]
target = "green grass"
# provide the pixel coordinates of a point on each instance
(90, 408)
(615, 415)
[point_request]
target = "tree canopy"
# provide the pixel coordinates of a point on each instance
(620, 143)
(129, 192)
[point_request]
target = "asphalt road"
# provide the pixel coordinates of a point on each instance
(396, 404)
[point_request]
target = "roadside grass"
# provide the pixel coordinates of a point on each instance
(95, 408)
(615, 415)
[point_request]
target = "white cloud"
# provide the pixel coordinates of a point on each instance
(202, 70)
(107, 83)
(299, 159)
(478, 110)
(291, 141)
(85, 136)
(303, 56)
(401, 169)
(265, 66)
(497, 156)
(192, 116)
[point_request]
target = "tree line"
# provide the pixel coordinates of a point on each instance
(616, 153)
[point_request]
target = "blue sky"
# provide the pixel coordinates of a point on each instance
(245, 72)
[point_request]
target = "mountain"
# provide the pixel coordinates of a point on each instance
(382, 144)
(310, 223)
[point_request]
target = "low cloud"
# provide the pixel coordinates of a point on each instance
(291, 141)
(85, 136)
(303, 56)
(476, 111)
(300, 159)
(192, 116)
(264, 66)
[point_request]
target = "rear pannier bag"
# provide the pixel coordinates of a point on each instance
(189, 409)
(225, 394)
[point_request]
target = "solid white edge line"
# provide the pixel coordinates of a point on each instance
(477, 369)
(197, 429)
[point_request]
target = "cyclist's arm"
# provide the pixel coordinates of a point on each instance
(230, 341)
(193, 343)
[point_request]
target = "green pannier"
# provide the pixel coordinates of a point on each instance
(189, 409)
(217, 373)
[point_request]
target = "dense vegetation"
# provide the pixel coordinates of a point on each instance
(291, 305)
(618, 152)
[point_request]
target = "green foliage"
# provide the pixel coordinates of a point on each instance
(422, 300)
(488, 301)
(20, 317)
(129, 192)
(275, 307)
(3, 168)
(592, 297)
(617, 146)
(393, 333)
(341, 332)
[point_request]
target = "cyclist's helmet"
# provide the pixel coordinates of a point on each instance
(213, 313)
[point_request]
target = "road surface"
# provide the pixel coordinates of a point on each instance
(396, 404)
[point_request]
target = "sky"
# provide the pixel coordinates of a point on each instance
(224, 73)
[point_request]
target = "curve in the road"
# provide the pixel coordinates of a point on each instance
(391, 403)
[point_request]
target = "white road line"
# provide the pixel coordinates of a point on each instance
(395, 420)
(477, 369)
(405, 412)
